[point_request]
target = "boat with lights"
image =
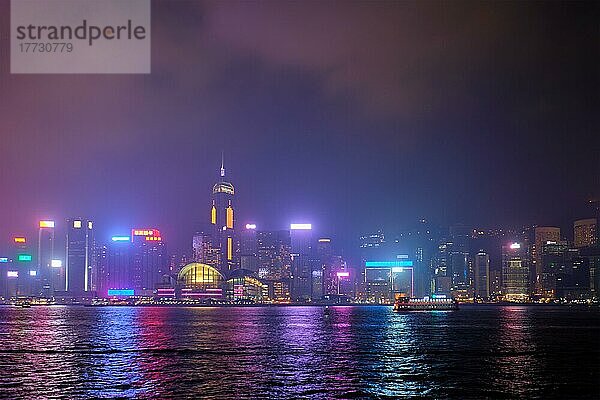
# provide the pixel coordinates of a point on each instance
(434, 302)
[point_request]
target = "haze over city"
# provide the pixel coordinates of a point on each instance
(355, 118)
(299, 199)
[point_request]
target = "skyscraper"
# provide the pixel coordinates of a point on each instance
(458, 258)
(584, 232)
(79, 256)
(222, 221)
(482, 275)
(249, 248)
(303, 261)
(203, 250)
(45, 257)
(515, 272)
(149, 260)
(114, 265)
(543, 234)
(274, 263)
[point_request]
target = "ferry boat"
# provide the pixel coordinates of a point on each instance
(434, 302)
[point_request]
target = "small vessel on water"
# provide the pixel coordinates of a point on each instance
(428, 303)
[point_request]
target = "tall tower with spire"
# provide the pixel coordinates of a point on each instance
(222, 220)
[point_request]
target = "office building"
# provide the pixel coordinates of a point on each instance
(305, 267)
(49, 275)
(249, 248)
(482, 275)
(275, 263)
(515, 272)
(584, 232)
(78, 260)
(149, 260)
(205, 251)
(543, 234)
(222, 221)
(458, 259)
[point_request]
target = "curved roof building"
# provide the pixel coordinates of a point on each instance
(199, 280)
(242, 284)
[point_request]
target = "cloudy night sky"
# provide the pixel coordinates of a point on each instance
(349, 115)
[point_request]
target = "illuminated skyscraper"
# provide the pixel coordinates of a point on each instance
(543, 234)
(115, 265)
(79, 256)
(482, 275)
(584, 232)
(458, 257)
(203, 250)
(274, 262)
(326, 261)
(515, 272)
(149, 260)
(222, 221)
(249, 248)
(303, 260)
(45, 256)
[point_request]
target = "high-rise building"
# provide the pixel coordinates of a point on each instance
(482, 275)
(515, 272)
(275, 263)
(327, 261)
(149, 260)
(204, 251)
(305, 267)
(458, 259)
(49, 274)
(385, 279)
(249, 248)
(222, 221)
(543, 234)
(115, 265)
(78, 259)
(442, 275)
(584, 232)
(553, 263)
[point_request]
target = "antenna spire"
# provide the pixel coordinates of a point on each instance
(222, 164)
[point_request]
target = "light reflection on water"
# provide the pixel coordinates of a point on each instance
(291, 352)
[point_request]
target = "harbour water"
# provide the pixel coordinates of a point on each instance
(299, 352)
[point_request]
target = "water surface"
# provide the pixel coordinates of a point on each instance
(292, 352)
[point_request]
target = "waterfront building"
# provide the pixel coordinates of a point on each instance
(495, 283)
(441, 274)
(201, 282)
(243, 285)
(553, 258)
(149, 260)
(458, 259)
(543, 234)
(385, 279)
(420, 243)
(78, 261)
(515, 272)
(275, 263)
(114, 263)
(304, 266)
(482, 275)
(249, 248)
(584, 232)
(48, 275)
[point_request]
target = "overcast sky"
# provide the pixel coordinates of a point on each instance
(349, 115)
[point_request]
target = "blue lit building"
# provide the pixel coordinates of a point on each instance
(383, 279)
